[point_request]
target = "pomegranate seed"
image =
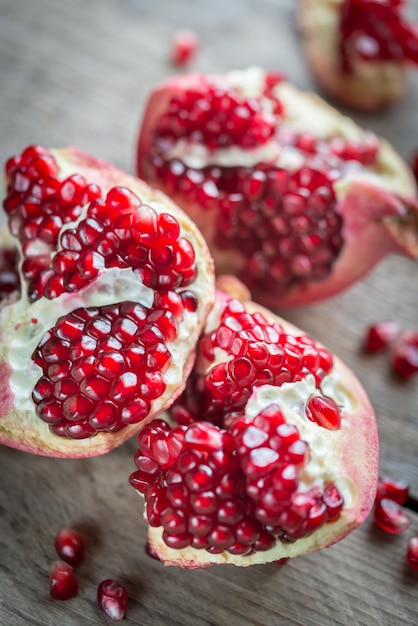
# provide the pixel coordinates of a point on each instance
(404, 357)
(392, 488)
(390, 516)
(415, 165)
(324, 411)
(380, 335)
(184, 47)
(412, 552)
(62, 582)
(70, 546)
(112, 599)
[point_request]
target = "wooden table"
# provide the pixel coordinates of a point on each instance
(78, 73)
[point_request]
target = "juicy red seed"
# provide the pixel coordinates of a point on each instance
(404, 357)
(376, 31)
(324, 411)
(395, 489)
(184, 47)
(62, 581)
(380, 335)
(98, 374)
(70, 546)
(390, 516)
(112, 599)
(412, 552)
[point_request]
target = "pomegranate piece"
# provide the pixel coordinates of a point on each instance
(184, 47)
(247, 477)
(391, 516)
(380, 335)
(112, 599)
(70, 545)
(404, 355)
(117, 284)
(292, 197)
(395, 489)
(412, 552)
(359, 50)
(63, 584)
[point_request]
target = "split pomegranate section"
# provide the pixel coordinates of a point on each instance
(255, 461)
(291, 196)
(114, 286)
(359, 50)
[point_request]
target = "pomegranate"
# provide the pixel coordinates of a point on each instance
(292, 197)
(270, 452)
(396, 489)
(412, 552)
(359, 50)
(116, 283)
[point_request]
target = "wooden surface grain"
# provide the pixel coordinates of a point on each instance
(77, 72)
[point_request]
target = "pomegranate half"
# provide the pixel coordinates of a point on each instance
(115, 286)
(270, 452)
(359, 50)
(292, 197)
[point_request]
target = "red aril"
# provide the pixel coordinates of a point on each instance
(62, 581)
(378, 336)
(412, 552)
(184, 47)
(247, 477)
(291, 196)
(359, 50)
(70, 545)
(391, 516)
(395, 489)
(112, 599)
(404, 354)
(116, 285)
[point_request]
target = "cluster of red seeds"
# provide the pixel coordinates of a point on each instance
(102, 367)
(375, 30)
(118, 231)
(63, 585)
(258, 353)
(9, 275)
(284, 223)
(215, 116)
(38, 204)
(234, 490)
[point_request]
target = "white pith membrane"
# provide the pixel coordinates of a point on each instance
(23, 324)
(371, 85)
(347, 456)
(377, 202)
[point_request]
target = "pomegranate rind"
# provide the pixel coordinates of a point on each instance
(372, 85)
(22, 429)
(354, 456)
(378, 204)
